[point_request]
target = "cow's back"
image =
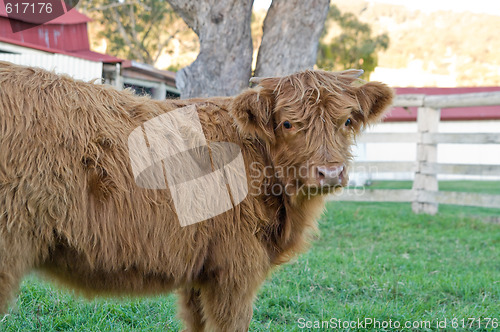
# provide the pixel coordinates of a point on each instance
(65, 171)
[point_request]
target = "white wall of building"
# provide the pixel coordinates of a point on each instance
(488, 154)
(77, 68)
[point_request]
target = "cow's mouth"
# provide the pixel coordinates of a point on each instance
(325, 180)
(331, 177)
(343, 178)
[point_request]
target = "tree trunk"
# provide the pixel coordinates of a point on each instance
(291, 32)
(223, 66)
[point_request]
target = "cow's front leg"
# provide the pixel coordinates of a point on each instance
(190, 309)
(226, 308)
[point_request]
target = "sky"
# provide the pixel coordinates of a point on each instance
(476, 6)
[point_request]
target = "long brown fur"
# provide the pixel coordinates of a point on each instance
(71, 209)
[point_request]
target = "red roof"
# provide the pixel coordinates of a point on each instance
(66, 34)
(447, 114)
(70, 17)
(94, 56)
(83, 54)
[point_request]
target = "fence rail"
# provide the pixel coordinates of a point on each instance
(432, 138)
(447, 101)
(425, 195)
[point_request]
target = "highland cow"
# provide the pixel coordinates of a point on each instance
(70, 206)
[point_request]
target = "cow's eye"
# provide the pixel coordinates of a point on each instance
(287, 125)
(348, 122)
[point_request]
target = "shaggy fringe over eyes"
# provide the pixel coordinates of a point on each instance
(339, 94)
(312, 89)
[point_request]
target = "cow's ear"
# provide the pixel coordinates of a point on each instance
(252, 113)
(373, 98)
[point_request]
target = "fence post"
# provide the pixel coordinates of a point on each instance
(425, 183)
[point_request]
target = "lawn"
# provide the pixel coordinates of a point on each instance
(374, 261)
(484, 187)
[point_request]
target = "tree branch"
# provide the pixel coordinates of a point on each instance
(124, 35)
(131, 14)
(119, 4)
(290, 38)
(133, 27)
(152, 22)
(164, 44)
(189, 11)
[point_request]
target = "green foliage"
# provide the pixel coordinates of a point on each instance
(354, 47)
(136, 30)
(484, 187)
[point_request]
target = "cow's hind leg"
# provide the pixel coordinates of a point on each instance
(10, 278)
(15, 261)
(191, 310)
(8, 283)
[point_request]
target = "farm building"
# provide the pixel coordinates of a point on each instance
(62, 45)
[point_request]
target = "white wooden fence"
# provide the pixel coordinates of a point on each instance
(425, 195)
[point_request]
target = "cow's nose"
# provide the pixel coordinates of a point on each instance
(329, 175)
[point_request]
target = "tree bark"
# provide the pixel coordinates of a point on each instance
(291, 33)
(223, 66)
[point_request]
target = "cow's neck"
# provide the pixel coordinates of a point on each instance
(290, 220)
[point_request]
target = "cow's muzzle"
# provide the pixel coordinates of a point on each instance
(330, 176)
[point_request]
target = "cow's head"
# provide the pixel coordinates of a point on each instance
(309, 121)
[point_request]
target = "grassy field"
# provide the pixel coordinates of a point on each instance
(371, 261)
(484, 187)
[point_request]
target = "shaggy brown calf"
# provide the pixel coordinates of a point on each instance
(70, 206)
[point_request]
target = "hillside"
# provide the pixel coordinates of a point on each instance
(442, 48)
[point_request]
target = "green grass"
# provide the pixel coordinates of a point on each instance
(484, 187)
(481, 187)
(375, 260)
